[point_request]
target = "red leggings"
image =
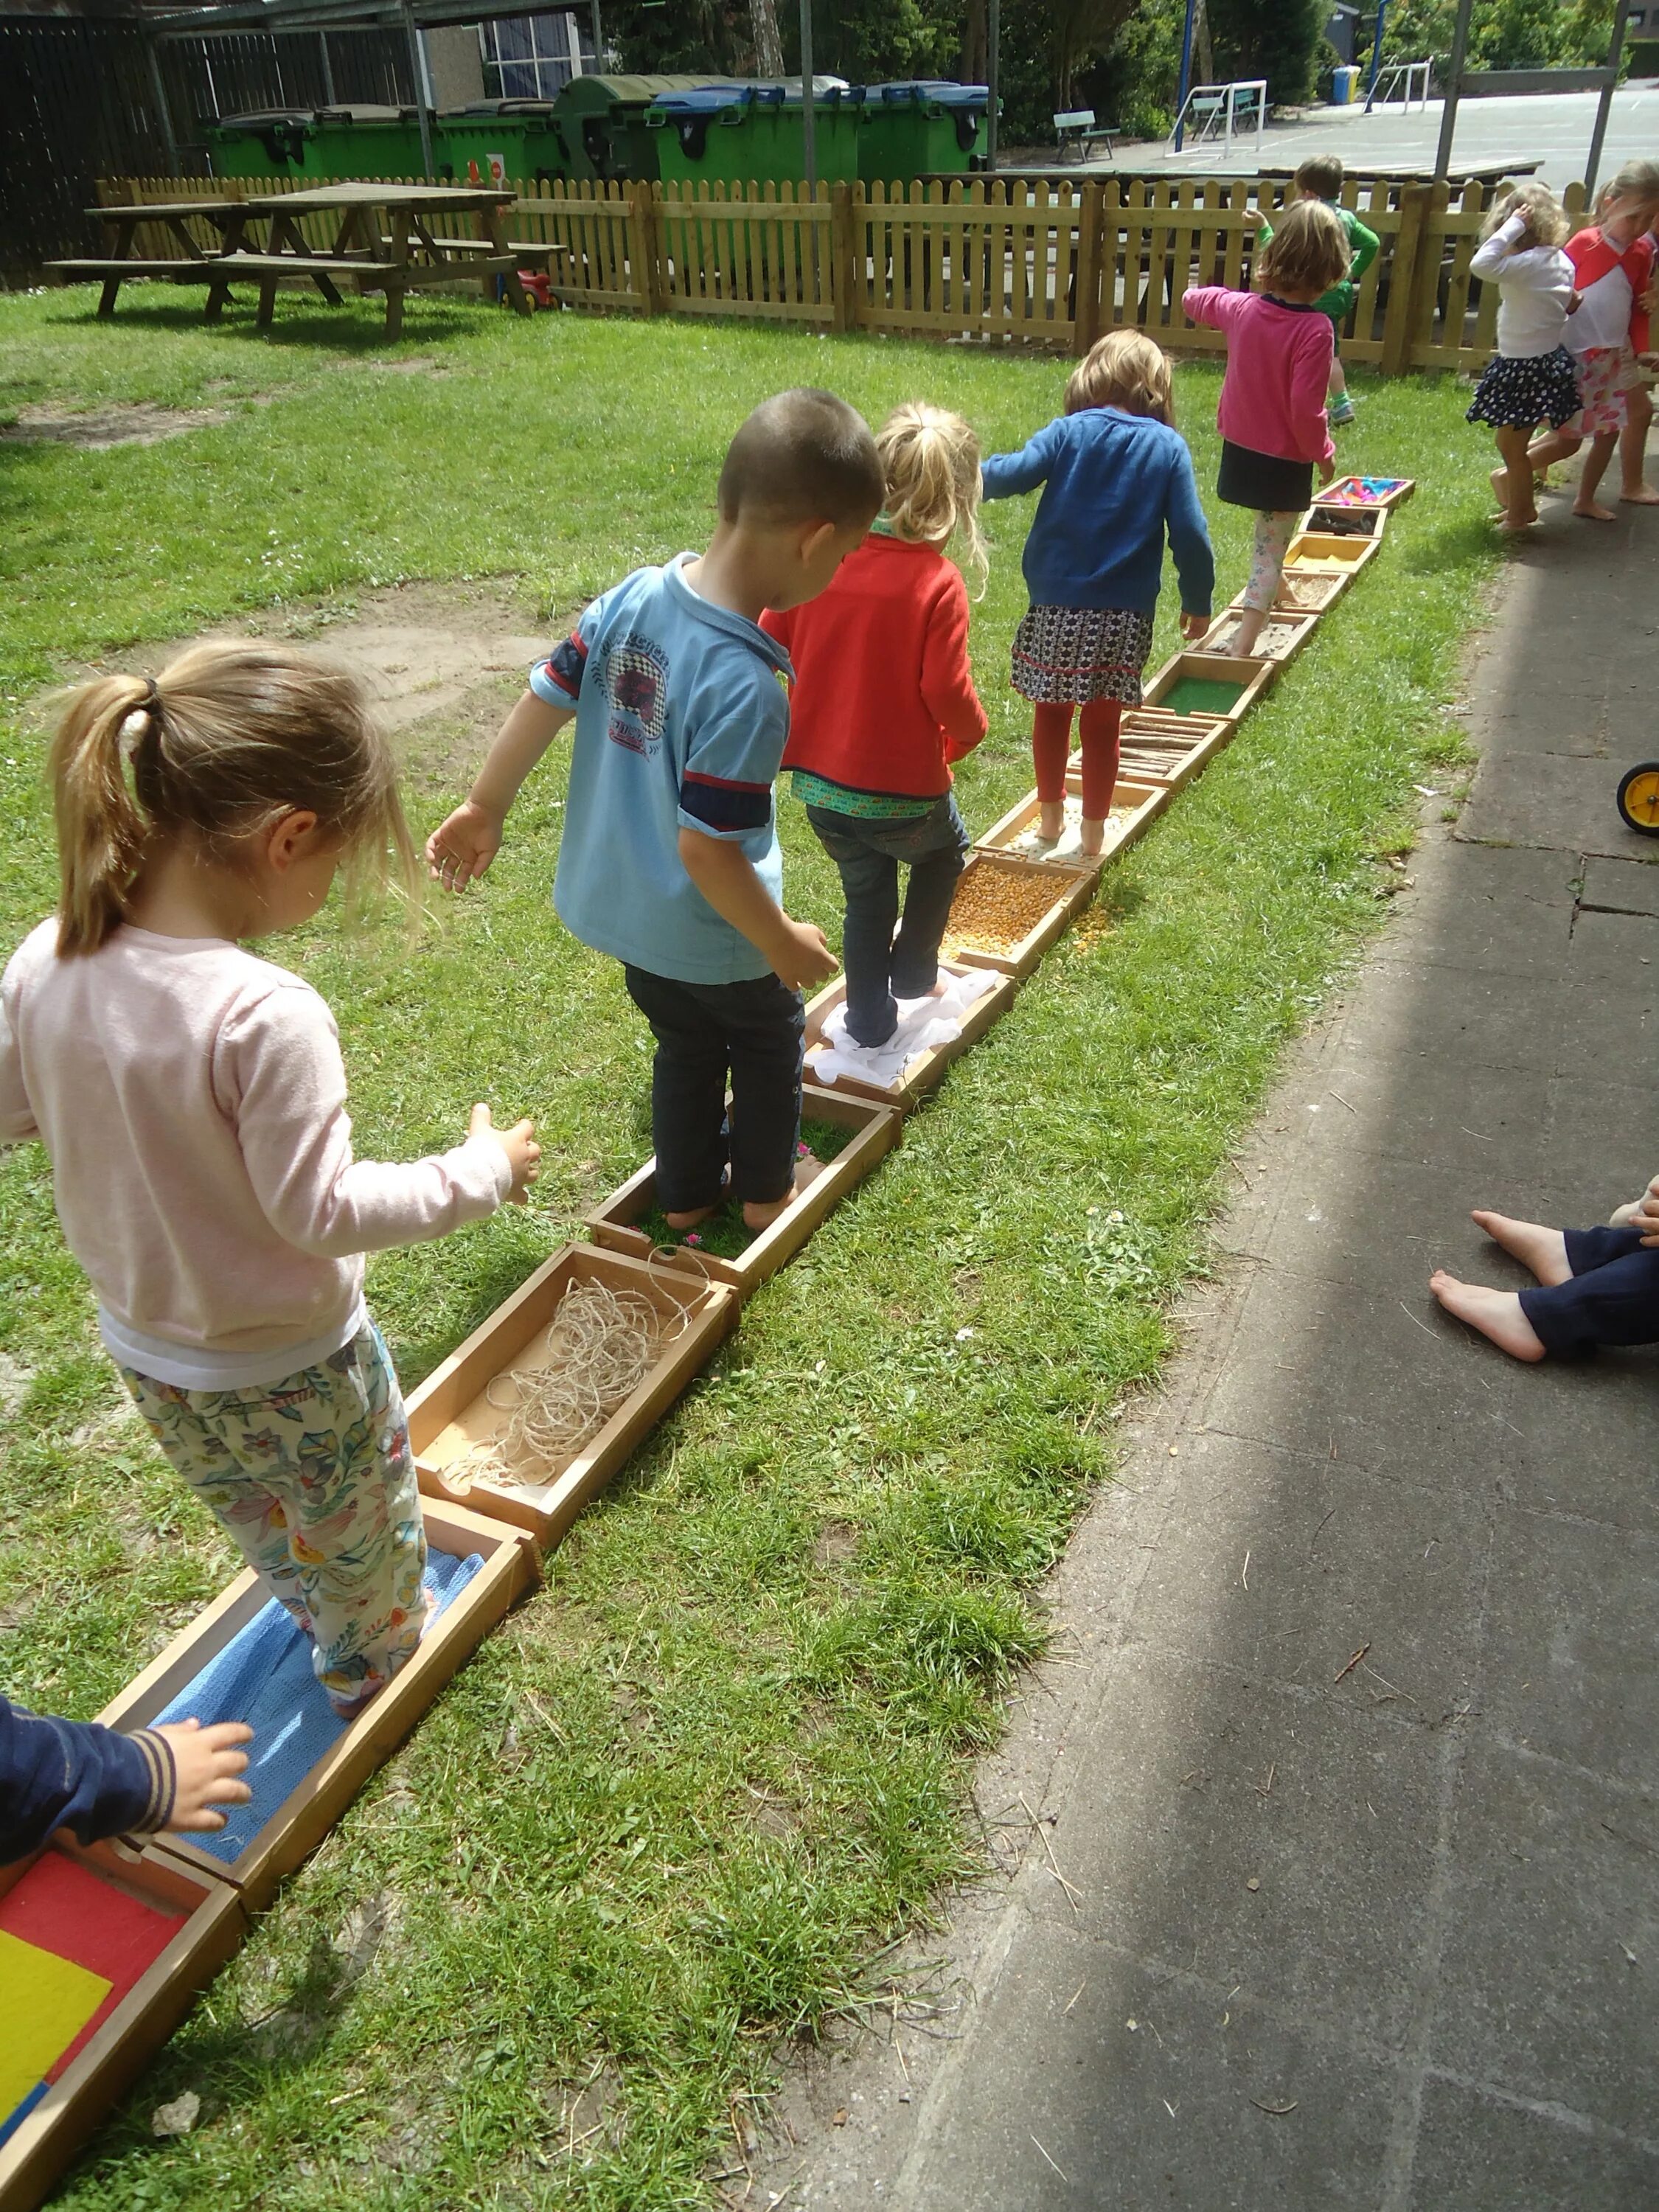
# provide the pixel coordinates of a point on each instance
(1051, 741)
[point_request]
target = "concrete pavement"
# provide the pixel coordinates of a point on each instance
(1330, 1849)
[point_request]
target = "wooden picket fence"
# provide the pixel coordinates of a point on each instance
(996, 263)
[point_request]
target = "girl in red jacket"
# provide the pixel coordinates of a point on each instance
(883, 702)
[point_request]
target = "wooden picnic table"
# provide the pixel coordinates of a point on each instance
(384, 241)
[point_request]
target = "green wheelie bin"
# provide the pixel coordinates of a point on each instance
(922, 127)
(501, 142)
(602, 122)
(743, 134)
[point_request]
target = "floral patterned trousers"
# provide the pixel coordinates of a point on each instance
(312, 1479)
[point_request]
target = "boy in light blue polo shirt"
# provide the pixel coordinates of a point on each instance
(669, 860)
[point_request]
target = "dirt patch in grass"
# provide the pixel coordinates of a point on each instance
(442, 662)
(419, 364)
(123, 422)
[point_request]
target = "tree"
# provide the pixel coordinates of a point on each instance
(1277, 40)
(763, 32)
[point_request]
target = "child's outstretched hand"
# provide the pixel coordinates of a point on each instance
(206, 1765)
(462, 847)
(519, 1144)
(1194, 626)
(801, 957)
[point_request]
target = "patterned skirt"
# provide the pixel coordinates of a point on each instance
(1515, 394)
(1067, 656)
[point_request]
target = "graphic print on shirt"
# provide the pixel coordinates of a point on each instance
(636, 686)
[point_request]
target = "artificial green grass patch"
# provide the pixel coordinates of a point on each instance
(724, 1233)
(679, 1797)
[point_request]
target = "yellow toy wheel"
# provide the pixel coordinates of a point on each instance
(1639, 798)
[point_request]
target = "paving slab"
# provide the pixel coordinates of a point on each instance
(1324, 1870)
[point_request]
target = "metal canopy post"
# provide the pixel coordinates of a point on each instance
(809, 140)
(1185, 83)
(1377, 51)
(328, 68)
(1454, 79)
(992, 80)
(598, 41)
(163, 114)
(417, 64)
(1604, 106)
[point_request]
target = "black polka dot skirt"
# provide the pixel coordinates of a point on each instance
(1514, 395)
(1072, 655)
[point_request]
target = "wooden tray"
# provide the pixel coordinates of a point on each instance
(876, 1130)
(51, 2135)
(924, 1072)
(450, 1411)
(1320, 552)
(306, 1816)
(1314, 594)
(1401, 491)
(1347, 521)
(1070, 884)
(1252, 676)
(1158, 747)
(1141, 802)
(1283, 635)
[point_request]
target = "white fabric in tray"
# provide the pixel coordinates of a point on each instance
(923, 1024)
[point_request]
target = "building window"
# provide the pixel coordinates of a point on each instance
(531, 57)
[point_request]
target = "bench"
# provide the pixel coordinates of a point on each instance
(1077, 127)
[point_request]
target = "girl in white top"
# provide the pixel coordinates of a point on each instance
(1532, 378)
(192, 1099)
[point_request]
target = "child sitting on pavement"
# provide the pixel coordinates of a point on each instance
(1595, 1286)
(883, 702)
(669, 861)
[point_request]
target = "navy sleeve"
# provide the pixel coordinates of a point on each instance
(736, 742)
(1189, 537)
(77, 1775)
(558, 679)
(1005, 474)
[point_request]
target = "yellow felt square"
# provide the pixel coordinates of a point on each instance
(44, 2003)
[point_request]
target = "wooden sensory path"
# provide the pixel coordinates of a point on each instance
(103, 1950)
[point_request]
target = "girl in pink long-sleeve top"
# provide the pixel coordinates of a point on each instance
(192, 1099)
(1274, 434)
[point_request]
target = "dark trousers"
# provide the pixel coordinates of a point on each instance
(882, 968)
(750, 1032)
(1613, 1297)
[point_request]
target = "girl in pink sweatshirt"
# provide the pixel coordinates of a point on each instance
(1274, 434)
(192, 1099)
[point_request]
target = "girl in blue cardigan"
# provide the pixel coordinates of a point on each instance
(1115, 477)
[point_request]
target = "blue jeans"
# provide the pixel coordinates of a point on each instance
(881, 968)
(753, 1032)
(1611, 1296)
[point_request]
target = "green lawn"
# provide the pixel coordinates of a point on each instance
(672, 1805)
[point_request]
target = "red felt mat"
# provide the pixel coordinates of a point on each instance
(64, 1907)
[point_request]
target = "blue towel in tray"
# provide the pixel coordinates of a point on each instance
(264, 1676)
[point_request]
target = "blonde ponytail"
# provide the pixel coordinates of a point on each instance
(217, 749)
(930, 464)
(101, 833)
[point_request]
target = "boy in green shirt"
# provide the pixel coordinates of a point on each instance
(1320, 177)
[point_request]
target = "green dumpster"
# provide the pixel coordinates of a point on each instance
(501, 142)
(743, 134)
(366, 142)
(922, 127)
(602, 122)
(266, 143)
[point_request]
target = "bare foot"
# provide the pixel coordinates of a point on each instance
(1514, 524)
(1593, 511)
(1051, 821)
(1643, 495)
(1251, 623)
(756, 1217)
(1091, 835)
(1495, 1314)
(688, 1220)
(1543, 1250)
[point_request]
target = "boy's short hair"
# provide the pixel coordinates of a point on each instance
(1319, 176)
(1307, 252)
(805, 456)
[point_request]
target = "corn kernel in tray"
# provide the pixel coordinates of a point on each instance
(996, 908)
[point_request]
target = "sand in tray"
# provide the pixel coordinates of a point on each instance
(1275, 637)
(1030, 846)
